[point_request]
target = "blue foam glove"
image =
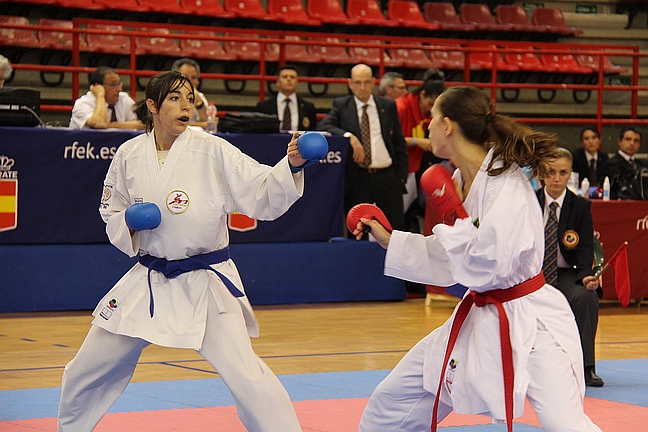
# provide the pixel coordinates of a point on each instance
(312, 146)
(143, 216)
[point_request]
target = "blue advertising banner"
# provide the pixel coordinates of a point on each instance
(53, 178)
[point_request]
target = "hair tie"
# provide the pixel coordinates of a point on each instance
(489, 118)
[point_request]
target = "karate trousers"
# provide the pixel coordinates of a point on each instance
(105, 364)
(400, 403)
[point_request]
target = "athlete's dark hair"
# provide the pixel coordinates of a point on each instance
(157, 90)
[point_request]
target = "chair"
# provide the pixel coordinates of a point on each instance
(293, 52)
(564, 63)
(371, 56)
(58, 40)
(408, 14)
(204, 48)
(527, 60)
(484, 60)
(517, 18)
(251, 9)
(329, 12)
(290, 12)
(77, 4)
(593, 61)
(331, 53)
(127, 5)
(157, 45)
(368, 12)
(17, 37)
(449, 59)
(414, 58)
(445, 16)
(164, 6)
(108, 43)
(209, 8)
(246, 51)
(480, 16)
(554, 20)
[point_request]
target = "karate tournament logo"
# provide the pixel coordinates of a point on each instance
(177, 201)
(8, 194)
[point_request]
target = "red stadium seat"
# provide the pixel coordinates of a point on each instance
(329, 12)
(204, 48)
(484, 60)
(164, 6)
(127, 5)
(209, 8)
(445, 16)
(593, 61)
(554, 20)
(408, 14)
(108, 43)
(448, 58)
(331, 53)
(247, 9)
(246, 51)
(371, 56)
(480, 16)
(368, 12)
(414, 58)
(157, 45)
(57, 39)
(77, 4)
(564, 63)
(527, 60)
(290, 12)
(517, 18)
(294, 53)
(17, 37)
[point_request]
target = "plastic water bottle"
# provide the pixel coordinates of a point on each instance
(606, 189)
(585, 185)
(212, 118)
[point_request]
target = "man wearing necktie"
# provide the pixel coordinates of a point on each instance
(377, 161)
(588, 158)
(569, 253)
(293, 111)
(623, 168)
(105, 105)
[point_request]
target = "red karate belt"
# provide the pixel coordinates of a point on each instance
(496, 297)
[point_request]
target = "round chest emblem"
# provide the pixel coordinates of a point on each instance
(177, 201)
(570, 239)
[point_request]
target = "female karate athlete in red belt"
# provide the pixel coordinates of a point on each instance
(512, 336)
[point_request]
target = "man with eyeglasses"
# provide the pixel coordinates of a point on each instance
(105, 105)
(392, 85)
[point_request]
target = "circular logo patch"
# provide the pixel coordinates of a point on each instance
(570, 239)
(177, 201)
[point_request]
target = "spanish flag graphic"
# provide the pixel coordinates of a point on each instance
(8, 204)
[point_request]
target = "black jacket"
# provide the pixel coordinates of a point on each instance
(307, 113)
(581, 166)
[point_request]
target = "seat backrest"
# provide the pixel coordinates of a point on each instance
(241, 48)
(449, 58)
(441, 13)
(364, 9)
(331, 51)
(17, 36)
(325, 8)
(549, 16)
(528, 57)
(247, 7)
(476, 14)
(512, 14)
(404, 10)
(56, 39)
(108, 42)
(285, 7)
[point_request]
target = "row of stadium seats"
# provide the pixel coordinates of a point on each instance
(400, 13)
(246, 47)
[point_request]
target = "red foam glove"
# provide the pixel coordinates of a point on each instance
(367, 211)
(438, 187)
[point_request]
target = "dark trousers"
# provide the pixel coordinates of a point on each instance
(382, 187)
(585, 305)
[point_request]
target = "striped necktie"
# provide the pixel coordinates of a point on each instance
(113, 114)
(365, 136)
(286, 122)
(550, 266)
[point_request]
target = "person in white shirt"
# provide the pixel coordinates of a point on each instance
(105, 105)
(513, 336)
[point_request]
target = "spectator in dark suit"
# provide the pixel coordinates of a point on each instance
(623, 167)
(575, 255)
(377, 161)
(302, 114)
(589, 159)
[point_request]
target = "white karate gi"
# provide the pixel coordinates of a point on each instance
(203, 179)
(85, 105)
(505, 250)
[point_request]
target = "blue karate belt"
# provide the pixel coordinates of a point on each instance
(173, 269)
